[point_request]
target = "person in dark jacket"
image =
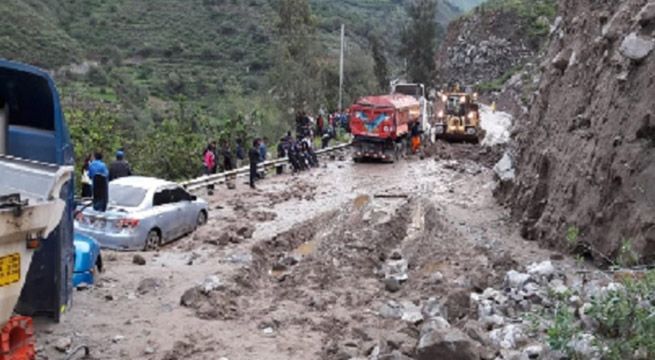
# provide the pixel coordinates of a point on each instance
(253, 157)
(281, 153)
(228, 164)
(119, 168)
(99, 174)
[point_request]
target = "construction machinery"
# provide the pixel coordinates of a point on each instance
(379, 125)
(457, 116)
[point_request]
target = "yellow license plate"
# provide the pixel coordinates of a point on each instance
(9, 269)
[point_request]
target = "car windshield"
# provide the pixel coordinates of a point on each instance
(125, 195)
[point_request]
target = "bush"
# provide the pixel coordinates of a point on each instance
(624, 318)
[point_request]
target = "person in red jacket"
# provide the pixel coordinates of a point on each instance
(209, 161)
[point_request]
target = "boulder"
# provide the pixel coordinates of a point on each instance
(635, 47)
(392, 285)
(562, 60)
(515, 279)
(508, 337)
(543, 269)
(447, 343)
(192, 298)
(504, 169)
(138, 260)
(210, 284)
(63, 344)
(148, 285)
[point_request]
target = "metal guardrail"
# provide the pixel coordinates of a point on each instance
(220, 178)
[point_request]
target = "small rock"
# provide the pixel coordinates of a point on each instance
(436, 277)
(543, 269)
(508, 337)
(192, 297)
(269, 331)
(562, 59)
(149, 350)
(148, 285)
(432, 308)
(584, 347)
(533, 352)
(109, 297)
(635, 47)
(397, 269)
(515, 279)
(391, 309)
(411, 313)
(138, 260)
(392, 285)
(118, 338)
(448, 343)
(63, 344)
(210, 284)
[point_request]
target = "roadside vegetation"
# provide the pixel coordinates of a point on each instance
(616, 324)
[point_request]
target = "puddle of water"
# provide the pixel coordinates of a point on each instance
(361, 201)
(434, 267)
(306, 248)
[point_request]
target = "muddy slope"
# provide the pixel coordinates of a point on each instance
(585, 154)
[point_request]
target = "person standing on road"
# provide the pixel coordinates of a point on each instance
(99, 174)
(119, 168)
(228, 163)
(281, 153)
(209, 161)
(253, 157)
(319, 125)
(416, 137)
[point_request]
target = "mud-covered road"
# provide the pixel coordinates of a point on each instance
(346, 261)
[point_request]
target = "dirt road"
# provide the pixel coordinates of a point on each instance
(346, 261)
(307, 267)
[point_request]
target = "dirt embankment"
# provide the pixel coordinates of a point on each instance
(584, 152)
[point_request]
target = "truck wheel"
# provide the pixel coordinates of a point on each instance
(153, 241)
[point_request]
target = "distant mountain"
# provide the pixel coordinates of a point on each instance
(165, 49)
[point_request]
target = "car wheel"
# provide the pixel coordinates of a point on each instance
(202, 219)
(153, 241)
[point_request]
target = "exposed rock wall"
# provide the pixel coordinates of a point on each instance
(483, 46)
(585, 152)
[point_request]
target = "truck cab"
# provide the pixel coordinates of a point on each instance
(417, 91)
(32, 127)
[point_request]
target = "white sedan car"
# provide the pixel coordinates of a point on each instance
(143, 213)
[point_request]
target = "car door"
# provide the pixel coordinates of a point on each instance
(185, 209)
(165, 213)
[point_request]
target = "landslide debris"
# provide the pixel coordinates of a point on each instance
(584, 151)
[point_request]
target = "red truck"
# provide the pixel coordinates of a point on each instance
(380, 123)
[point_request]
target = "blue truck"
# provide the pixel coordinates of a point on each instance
(32, 127)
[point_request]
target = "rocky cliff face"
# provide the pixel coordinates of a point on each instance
(483, 46)
(585, 151)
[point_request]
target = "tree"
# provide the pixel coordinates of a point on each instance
(380, 68)
(419, 40)
(297, 72)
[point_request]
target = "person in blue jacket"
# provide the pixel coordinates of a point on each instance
(99, 175)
